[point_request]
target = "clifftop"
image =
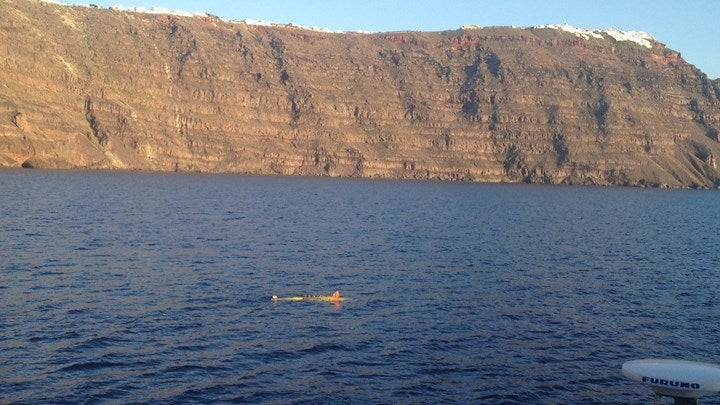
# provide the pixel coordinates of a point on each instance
(85, 87)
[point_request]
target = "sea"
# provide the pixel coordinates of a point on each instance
(156, 288)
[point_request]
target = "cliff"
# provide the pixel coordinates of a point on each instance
(82, 87)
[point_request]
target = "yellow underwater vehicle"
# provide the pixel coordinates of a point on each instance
(335, 297)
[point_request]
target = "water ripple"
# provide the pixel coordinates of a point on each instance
(91, 366)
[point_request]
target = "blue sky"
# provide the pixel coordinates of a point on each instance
(691, 26)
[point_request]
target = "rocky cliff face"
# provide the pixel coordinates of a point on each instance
(91, 88)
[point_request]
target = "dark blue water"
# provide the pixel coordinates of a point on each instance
(156, 288)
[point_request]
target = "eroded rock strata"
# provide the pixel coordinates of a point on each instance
(104, 89)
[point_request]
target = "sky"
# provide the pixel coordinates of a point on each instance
(691, 27)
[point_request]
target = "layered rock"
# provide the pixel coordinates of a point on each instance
(106, 89)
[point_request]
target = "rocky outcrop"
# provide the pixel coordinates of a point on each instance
(105, 89)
